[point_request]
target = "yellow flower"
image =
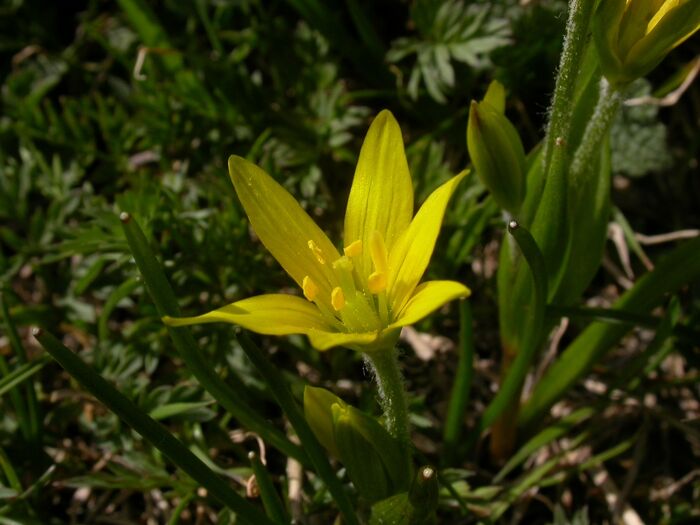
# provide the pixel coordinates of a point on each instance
(633, 36)
(361, 298)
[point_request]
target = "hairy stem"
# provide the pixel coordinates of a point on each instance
(569, 64)
(596, 129)
(392, 396)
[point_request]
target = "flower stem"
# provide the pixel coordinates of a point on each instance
(392, 395)
(596, 129)
(569, 64)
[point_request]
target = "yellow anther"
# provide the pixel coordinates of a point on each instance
(309, 288)
(353, 249)
(376, 282)
(317, 252)
(337, 299)
(377, 250)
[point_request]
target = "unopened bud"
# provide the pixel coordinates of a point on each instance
(633, 36)
(496, 150)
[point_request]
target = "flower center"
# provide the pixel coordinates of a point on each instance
(358, 302)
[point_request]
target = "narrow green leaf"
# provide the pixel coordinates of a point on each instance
(549, 434)
(270, 498)
(459, 397)
(21, 374)
(509, 391)
(26, 406)
(176, 409)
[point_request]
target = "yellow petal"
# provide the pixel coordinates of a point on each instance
(427, 298)
(284, 227)
(273, 314)
(381, 197)
(411, 254)
(325, 339)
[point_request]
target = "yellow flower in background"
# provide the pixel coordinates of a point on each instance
(633, 36)
(360, 298)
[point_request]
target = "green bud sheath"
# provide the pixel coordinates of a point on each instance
(361, 459)
(318, 403)
(497, 153)
(633, 36)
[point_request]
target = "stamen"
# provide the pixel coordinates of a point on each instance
(309, 288)
(377, 250)
(376, 282)
(343, 268)
(353, 249)
(337, 299)
(317, 252)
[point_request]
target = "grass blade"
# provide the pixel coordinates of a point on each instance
(152, 431)
(268, 494)
(26, 407)
(509, 390)
(21, 374)
(459, 398)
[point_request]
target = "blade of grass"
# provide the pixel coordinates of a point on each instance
(459, 398)
(166, 304)
(610, 315)
(552, 432)
(278, 386)
(26, 407)
(654, 353)
(21, 374)
(268, 494)
(673, 271)
(151, 430)
(509, 391)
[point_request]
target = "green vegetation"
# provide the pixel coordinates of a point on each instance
(564, 390)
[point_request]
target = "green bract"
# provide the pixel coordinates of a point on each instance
(633, 36)
(496, 150)
(372, 457)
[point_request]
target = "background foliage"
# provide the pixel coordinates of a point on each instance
(134, 106)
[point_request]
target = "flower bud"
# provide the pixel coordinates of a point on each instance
(361, 459)
(318, 403)
(633, 36)
(354, 437)
(496, 150)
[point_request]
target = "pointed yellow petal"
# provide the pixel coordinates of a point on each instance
(285, 229)
(409, 258)
(273, 314)
(381, 198)
(324, 339)
(427, 298)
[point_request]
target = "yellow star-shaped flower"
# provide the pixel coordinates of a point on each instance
(360, 298)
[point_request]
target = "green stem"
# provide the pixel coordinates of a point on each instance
(462, 384)
(596, 130)
(569, 64)
(385, 365)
